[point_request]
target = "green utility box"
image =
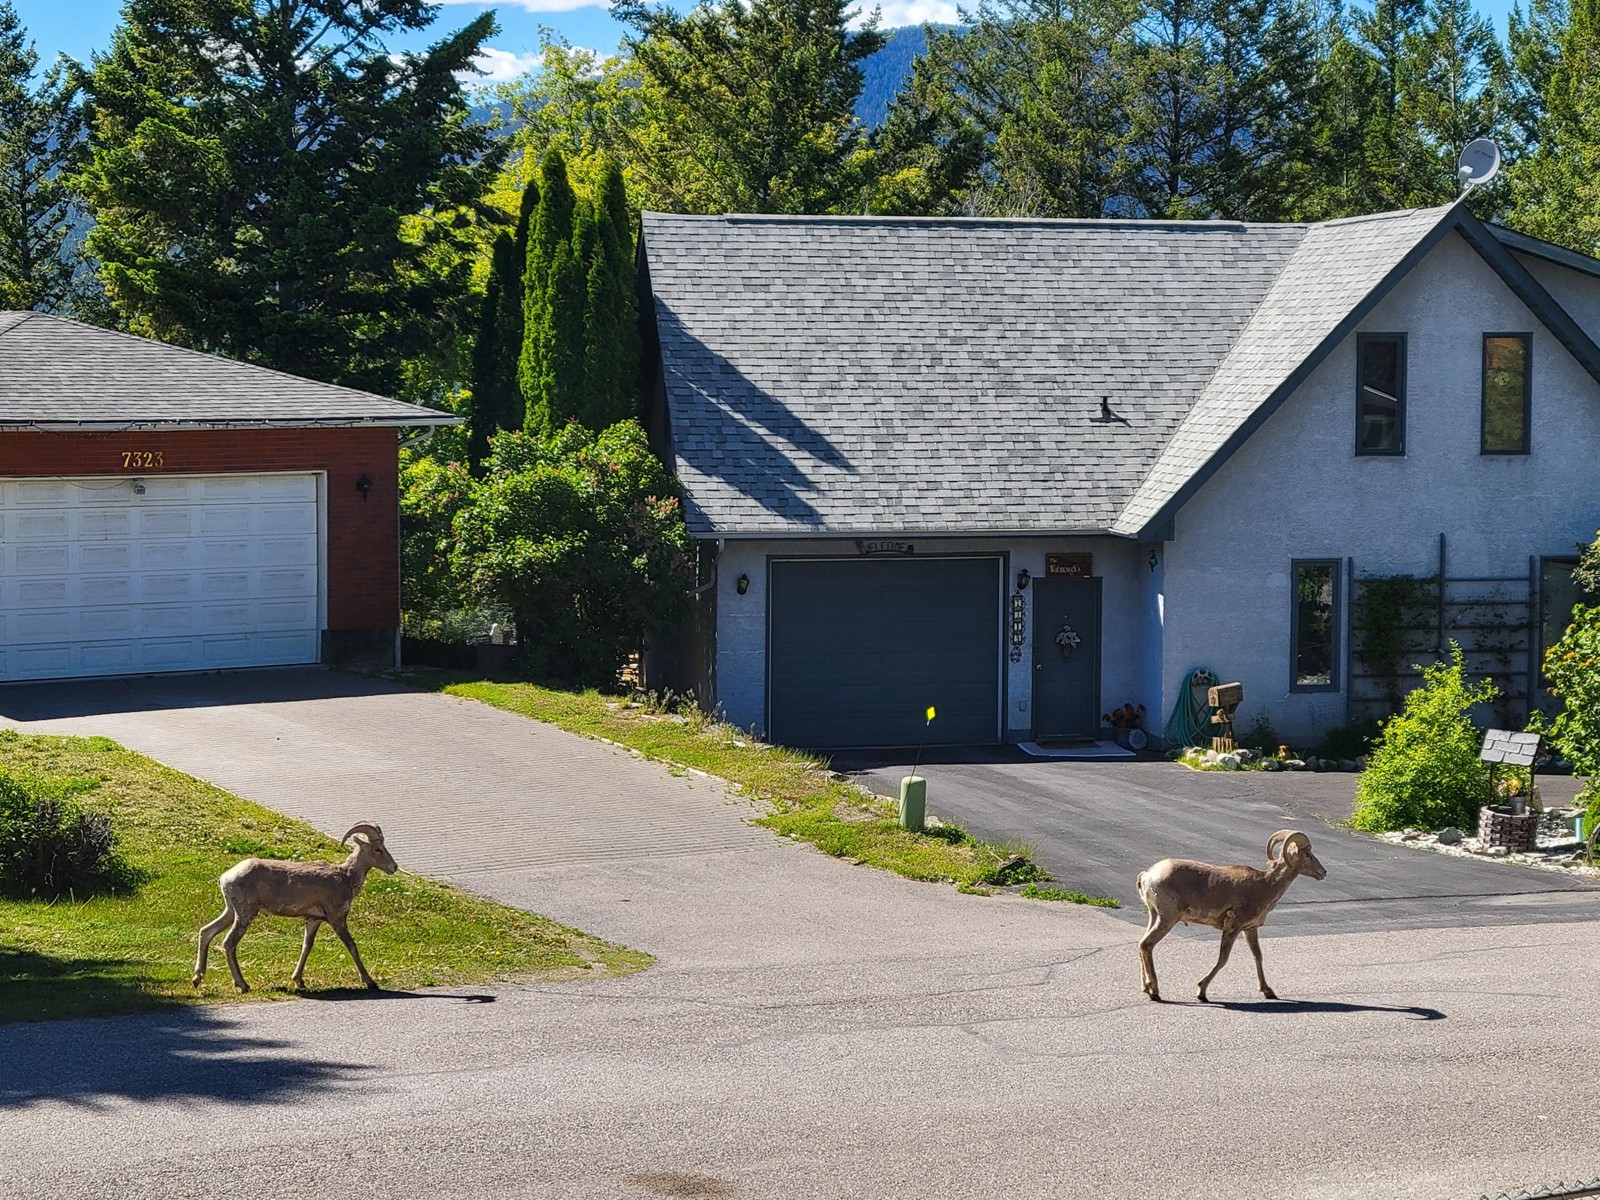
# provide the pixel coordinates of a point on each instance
(913, 803)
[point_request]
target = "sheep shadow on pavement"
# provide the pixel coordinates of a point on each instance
(1413, 1012)
(382, 993)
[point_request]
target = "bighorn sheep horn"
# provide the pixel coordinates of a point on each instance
(1284, 837)
(372, 831)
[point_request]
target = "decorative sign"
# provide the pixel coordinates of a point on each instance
(885, 547)
(139, 460)
(1514, 749)
(1069, 566)
(1019, 625)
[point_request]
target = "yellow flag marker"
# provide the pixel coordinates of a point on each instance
(931, 713)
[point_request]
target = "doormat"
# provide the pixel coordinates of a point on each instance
(1079, 752)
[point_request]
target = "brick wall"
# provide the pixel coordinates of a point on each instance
(363, 552)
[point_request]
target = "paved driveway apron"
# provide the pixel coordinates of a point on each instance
(1097, 825)
(461, 789)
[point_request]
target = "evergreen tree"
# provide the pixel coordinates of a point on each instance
(497, 399)
(1348, 105)
(40, 122)
(611, 359)
(270, 182)
(1557, 188)
(1042, 91)
(748, 105)
(1458, 79)
(554, 292)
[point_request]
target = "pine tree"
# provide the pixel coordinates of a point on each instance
(269, 181)
(748, 105)
(40, 123)
(1458, 77)
(611, 360)
(1557, 188)
(554, 285)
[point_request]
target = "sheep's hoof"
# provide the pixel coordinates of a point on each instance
(297, 983)
(1268, 994)
(196, 980)
(243, 988)
(1201, 996)
(372, 985)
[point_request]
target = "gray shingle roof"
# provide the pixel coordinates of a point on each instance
(58, 373)
(869, 375)
(1336, 266)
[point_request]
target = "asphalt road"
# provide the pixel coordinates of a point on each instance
(815, 1030)
(1096, 825)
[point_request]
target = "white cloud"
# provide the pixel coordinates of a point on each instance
(502, 66)
(909, 12)
(541, 6)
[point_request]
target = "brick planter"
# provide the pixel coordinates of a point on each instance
(1499, 826)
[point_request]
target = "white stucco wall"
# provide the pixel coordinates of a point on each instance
(1129, 652)
(1297, 490)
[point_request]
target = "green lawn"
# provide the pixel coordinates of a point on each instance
(803, 798)
(117, 954)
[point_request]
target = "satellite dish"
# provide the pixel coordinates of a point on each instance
(1479, 163)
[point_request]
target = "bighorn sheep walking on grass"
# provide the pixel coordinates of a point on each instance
(315, 891)
(1233, 899)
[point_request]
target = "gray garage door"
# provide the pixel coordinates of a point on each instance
(859, 649)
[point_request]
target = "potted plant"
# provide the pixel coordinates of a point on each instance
(1127, 724)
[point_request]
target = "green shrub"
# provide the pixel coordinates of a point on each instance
(1573, 667)
(51, 846)
(1261, 737)
(1424, 771)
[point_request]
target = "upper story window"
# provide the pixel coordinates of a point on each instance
(1507, 392)
(1381, 401)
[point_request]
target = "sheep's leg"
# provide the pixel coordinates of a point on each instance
(1261, 975)
(1229, 936)
(207, 932)
(230, 947)
(350, 945)
(312, 925)
(1157, 930)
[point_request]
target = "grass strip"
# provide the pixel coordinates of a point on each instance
(75, 957)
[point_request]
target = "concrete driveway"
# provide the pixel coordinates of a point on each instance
(813, 1031)
(1096, 825)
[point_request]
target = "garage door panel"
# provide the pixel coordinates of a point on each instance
(860, 649)
(198, 572)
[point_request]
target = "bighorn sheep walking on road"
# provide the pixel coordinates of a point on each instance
(316, 891)
(1233, 899)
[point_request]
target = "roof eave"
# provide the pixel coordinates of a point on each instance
(1549, 251)
(846, 535)
(424, 418)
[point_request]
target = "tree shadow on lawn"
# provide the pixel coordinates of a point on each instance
(1415, 1013)
(162, 1049)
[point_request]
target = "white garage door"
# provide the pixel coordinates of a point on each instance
(199, 572)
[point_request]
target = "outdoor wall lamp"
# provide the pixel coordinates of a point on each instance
(364, 485)
(1022, 579)
(742, 584)
(138, 487)
(1153, 560)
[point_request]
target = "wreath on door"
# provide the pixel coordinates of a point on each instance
(1067, 639)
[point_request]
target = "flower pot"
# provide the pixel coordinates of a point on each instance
(1499, 826)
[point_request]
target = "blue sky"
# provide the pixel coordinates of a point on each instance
(79, 27)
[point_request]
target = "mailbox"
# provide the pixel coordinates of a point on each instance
(1226, 696)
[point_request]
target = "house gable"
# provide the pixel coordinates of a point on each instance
(1339, 274)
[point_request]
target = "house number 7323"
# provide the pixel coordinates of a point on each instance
(141, 458)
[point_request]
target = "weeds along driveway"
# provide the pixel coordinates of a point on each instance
(1096, 825)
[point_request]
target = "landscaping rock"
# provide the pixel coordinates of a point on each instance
(1228, 762)
(1271, 764)
(1361, 762)
(1174, 755)
(1247, 756)
(1315, 764)
(1212, 758)
(1498, 851)
(1410, 835)
(1293, 764)
(1347, 765)
(1450, 836)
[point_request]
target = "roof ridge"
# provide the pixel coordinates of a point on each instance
(865, 219)
(11, 318)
